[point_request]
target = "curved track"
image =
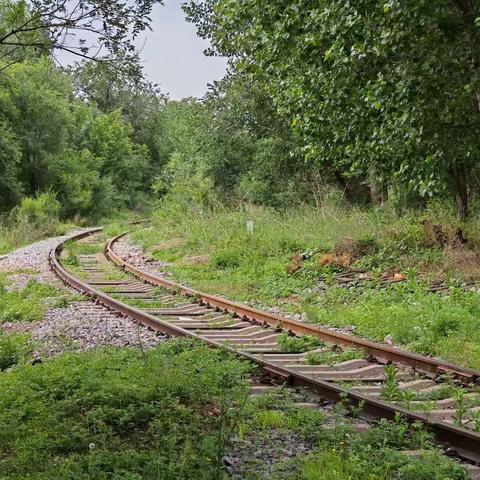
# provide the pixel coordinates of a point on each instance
(181, 311)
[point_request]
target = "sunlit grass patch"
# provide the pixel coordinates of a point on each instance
(280, 261)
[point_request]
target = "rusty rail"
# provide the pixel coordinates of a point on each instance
(466, 443)
(427, 365)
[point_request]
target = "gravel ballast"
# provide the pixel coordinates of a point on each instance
(31, 263)
(76, 327)
(133, 253)
(84, 325)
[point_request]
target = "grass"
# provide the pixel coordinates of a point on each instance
(386, 465)
(287, 263)
(32, 219)
(15, 349)
(12, 238)
(73, 249)
(29, 304)
(445, 327)
(36, 219)
(16, 235)
(170, 413)
(322, 357)
(120, 414)
(340, 452)
(294, 344)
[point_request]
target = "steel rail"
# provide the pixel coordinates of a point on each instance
(426, 365)
(464, 442)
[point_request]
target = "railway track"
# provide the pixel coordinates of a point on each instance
(337, 367)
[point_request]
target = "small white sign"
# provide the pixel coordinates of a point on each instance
(250, 227)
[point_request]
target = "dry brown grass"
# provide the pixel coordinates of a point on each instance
(434, 234)
(295, 265)
(462, 262)
(341, 261)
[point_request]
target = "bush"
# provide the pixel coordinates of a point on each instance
(40, 212)
(13, 349)
(120, 414)
(34, 218)
(226, 259)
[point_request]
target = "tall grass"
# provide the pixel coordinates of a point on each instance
(33, 219)
(278, 264)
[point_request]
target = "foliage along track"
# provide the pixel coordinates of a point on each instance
(442, 396)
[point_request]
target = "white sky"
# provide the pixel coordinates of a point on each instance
(173, 54)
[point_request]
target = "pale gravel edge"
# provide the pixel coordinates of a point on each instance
(84, 331)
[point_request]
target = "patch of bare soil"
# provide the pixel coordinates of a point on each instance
(197, 260)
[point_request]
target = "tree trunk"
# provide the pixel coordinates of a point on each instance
(461, 191)
(377, 190)
(468, 15)
(33, 174)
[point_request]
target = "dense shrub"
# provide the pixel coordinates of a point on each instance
(119, 414)
(14, 348)
(38, 212)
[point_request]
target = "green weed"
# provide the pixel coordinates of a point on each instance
(364, 464)
(257, 267)
(14, 349)
(294, 344)
(33, 219)
(119, 414)
(26, 305)
(340, 453)
(328, 356)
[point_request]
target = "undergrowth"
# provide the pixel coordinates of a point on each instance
(14, 349)
(294, 344)
(339, 452)
(33, 219)
(290, 259)
(172, 412)
(29, 304)
(120, 414)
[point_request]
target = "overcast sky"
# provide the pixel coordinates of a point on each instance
(173, 54)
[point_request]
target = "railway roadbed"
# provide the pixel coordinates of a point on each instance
(374, 380)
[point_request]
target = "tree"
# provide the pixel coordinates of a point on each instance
(127, 90)
(50, 140)
(9, 165)
(39, 116)
(386, 92)
(124, 163)
(51, 25)
(258, 156)
(234, 140)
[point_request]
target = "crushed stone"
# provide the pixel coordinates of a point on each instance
(30, 263)
(81, 326)
(133, 254)
(76, 327)
(262, 455)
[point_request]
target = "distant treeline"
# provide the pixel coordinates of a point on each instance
(376, 101)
